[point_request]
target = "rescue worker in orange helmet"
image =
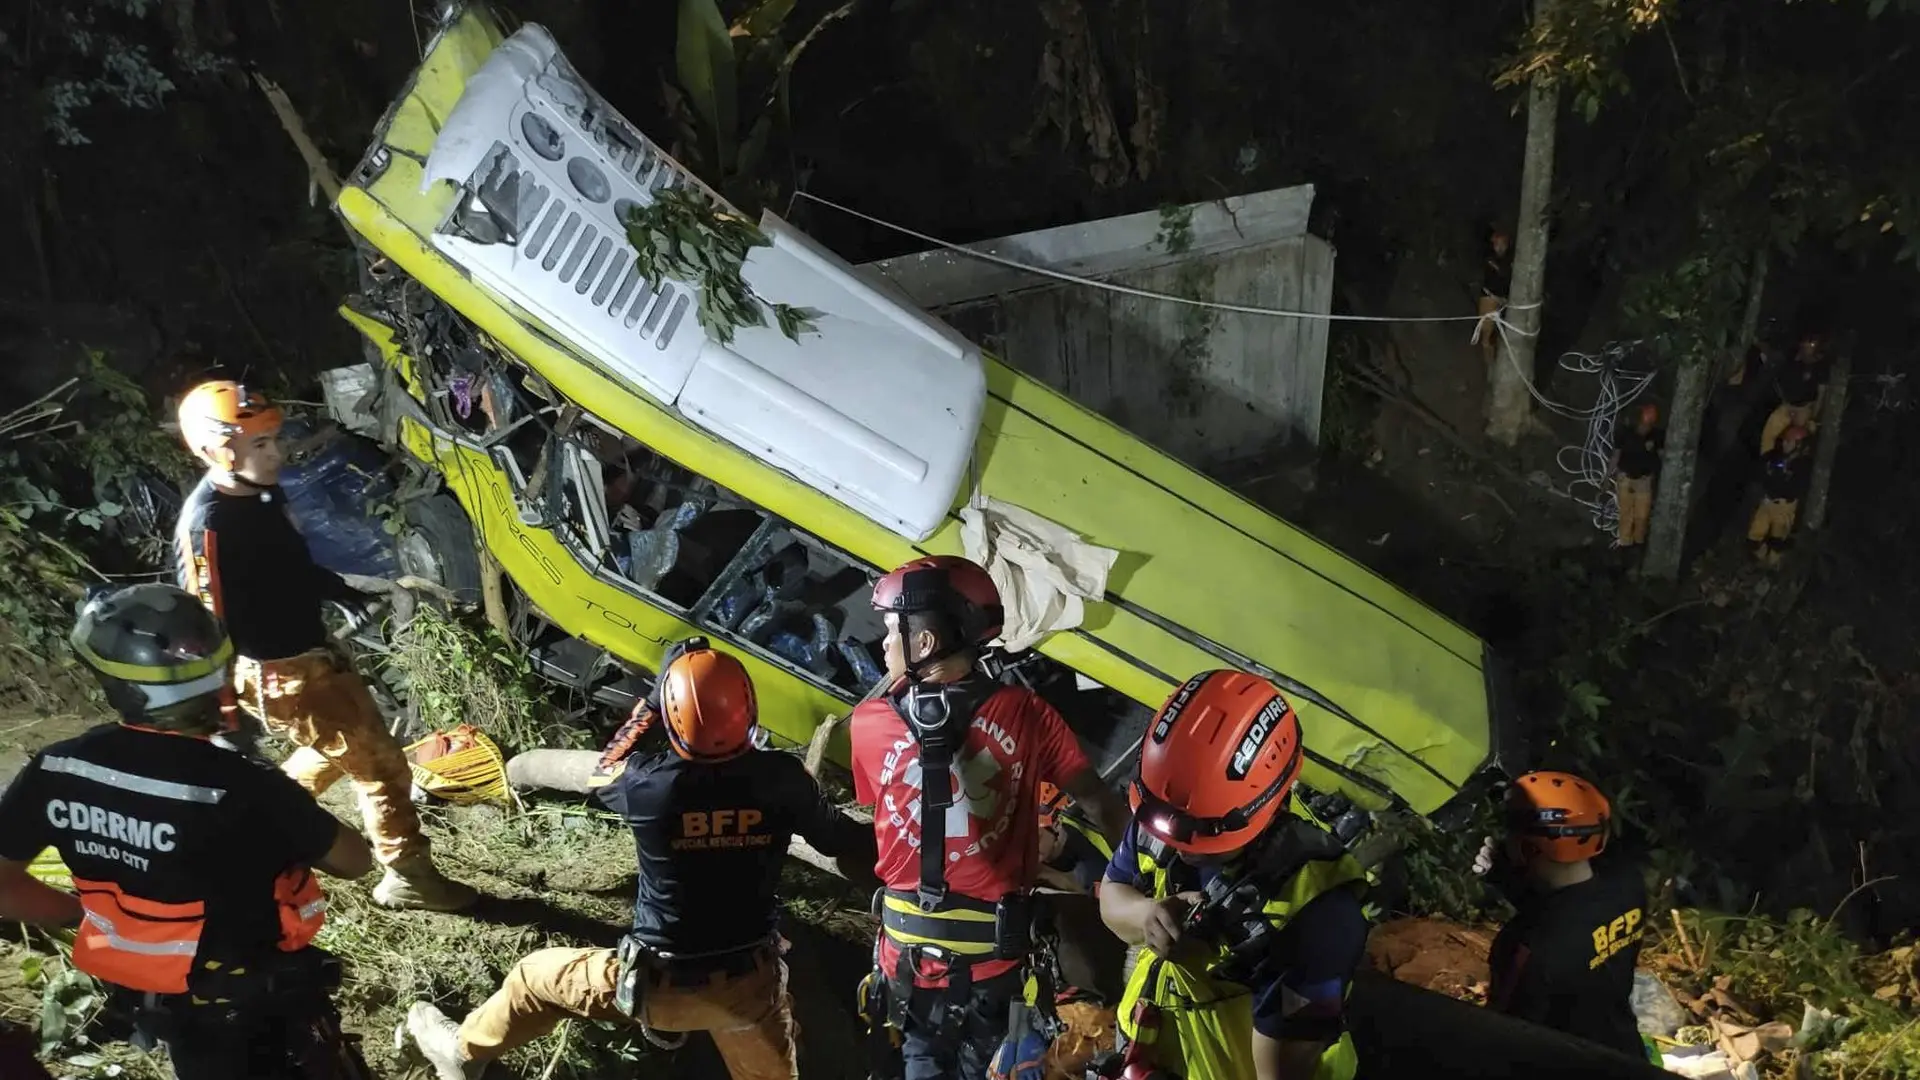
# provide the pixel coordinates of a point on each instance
(712, 819)
(240, 553)
(1566, 958)
(193, 863)
(952, 762)
(1247, 909)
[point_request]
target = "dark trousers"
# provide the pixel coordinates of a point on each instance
(287, 1042)
(963, 1047)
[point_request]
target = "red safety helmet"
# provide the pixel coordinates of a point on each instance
(1649, 413)
(956, 587)
(1794, 435)
(214, 414)
(1218, 763)
(708, 703)
(1557, 817)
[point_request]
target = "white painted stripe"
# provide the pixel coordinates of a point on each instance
(159, 696)
(144, 948)
(114, 778)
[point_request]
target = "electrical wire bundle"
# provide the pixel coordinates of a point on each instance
(1590, 462)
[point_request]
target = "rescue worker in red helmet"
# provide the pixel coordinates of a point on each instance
(1566, 958)
(1247, 909)
(951, 761)
(193, 863)
(240, 553)
(711, 817)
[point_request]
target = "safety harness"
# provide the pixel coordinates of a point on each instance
(1180, 1021)
(932, 921)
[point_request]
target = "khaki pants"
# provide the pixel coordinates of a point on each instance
(1635, 496)
(750, 1016)
(318, 701)
(1773, 519)
(1782, 418)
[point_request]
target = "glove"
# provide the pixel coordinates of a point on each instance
(1022, 1055)
(613, 759)
(1483, 861)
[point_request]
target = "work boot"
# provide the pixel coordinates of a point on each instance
(439, 1041)
(414, 882)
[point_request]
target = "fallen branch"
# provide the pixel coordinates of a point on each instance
(317, 167)
(1686, 947)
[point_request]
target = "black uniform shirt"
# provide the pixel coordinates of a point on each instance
(711, 839)
(1640, 454)
(241, 555)
(172, 820)
(1565, 960)
(1800, 381)
(1785, 477)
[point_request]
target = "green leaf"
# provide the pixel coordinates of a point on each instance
(704, 62)
(110, 509)
(765, 19)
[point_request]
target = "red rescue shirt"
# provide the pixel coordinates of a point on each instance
(1016, 741)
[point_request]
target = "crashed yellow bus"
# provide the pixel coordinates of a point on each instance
(639, 481)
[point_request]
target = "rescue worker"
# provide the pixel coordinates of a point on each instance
(1801, 386)
(711, 822)
(957, 909)
(1566, 958)
(1496, 281)
(240, 553)
(1247, 910)
(1785, 474)
(1635, 462)
(193, 863)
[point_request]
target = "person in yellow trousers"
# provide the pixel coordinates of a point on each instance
(711, 823)
(1785, 474)
(1801, 385)
(1636, 461)
(1248, 910)
(1496, 280)
(241, 555)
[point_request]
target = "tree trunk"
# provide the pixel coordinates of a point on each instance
(1508, 406)
(1673, 491)
(1833, 407)
(1750, 319)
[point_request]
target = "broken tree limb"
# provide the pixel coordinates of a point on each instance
(1826, 448)
(493, 592)
(317, 166)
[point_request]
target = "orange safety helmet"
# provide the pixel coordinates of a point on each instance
(1218, 763)
(213, 414)
(1558, 817)
(707, 701)
(948, 584)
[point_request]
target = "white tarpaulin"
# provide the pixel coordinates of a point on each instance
(1044, 571)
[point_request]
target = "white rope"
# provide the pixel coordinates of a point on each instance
(1497, 317)
(1591, 463)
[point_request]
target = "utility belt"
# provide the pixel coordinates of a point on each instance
(643, 965)
(295, 987)
(960, 934)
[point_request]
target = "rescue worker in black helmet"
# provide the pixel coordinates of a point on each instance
(193, 864)
(711, 823)
(956, 911)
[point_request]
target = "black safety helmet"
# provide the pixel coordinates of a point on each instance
(161, 657)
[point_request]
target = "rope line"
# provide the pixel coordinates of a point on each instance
(1497, 317)
(1590, 463)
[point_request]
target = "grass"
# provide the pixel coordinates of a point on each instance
(455, 669)
(1780, 968)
